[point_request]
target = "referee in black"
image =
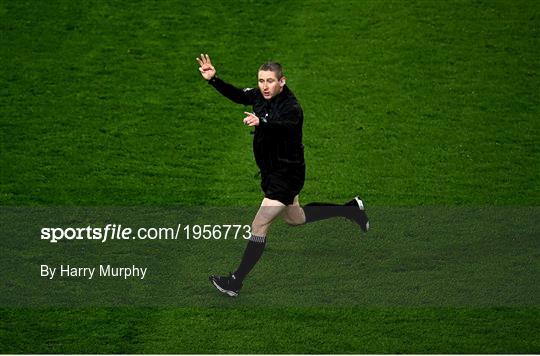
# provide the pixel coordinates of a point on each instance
(277, 145)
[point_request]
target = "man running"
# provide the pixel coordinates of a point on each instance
(277, 145)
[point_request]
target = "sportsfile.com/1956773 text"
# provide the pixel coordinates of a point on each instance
(119, 232)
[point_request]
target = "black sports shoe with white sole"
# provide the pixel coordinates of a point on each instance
(358, 214)
(228, 285)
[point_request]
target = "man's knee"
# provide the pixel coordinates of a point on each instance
(294, 217)
(292, 222)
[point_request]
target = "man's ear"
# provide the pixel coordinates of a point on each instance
(282, 81)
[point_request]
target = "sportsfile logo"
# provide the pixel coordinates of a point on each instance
(118, 232)
(110, 231)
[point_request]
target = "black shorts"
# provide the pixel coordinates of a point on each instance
(283, 185)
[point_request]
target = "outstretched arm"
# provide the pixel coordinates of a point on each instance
(240, 96)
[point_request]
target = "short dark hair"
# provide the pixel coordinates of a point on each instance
(274, 67)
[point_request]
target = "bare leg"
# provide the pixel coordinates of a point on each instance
(353, 210)
(268, 212)
(294, 214)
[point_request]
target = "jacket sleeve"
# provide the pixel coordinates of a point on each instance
(289, 118)
(239, 96)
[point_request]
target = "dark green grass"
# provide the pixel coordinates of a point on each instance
(419, 257)
(409, 103)
(263, 330)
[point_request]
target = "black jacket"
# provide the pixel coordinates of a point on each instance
(277, 144)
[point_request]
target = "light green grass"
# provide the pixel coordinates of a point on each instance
(406, 102)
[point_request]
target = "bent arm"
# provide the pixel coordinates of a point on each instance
(288, 119)
(237, 95)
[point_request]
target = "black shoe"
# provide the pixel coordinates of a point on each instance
(358, 215)
(228, 285)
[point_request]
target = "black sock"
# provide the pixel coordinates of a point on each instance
(321, 211)
(252, 253)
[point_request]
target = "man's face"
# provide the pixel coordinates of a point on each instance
(269, 85)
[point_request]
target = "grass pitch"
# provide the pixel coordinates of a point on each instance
(413, 103)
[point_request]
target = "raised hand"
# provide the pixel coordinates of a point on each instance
(205, 67)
